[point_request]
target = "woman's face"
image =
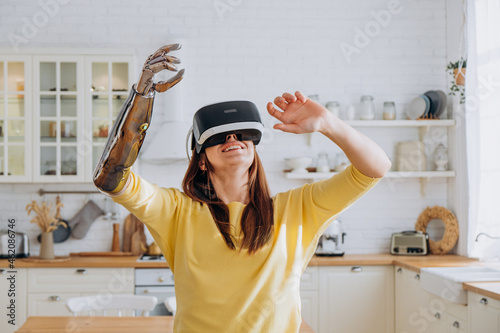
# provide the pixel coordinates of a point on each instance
(232, 153)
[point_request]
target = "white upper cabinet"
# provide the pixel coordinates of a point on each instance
(109, 82)
(58, 117)
(56, 112)
(15, 118)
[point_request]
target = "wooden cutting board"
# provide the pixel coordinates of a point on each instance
(128, 231)
(138, 243)
(100, 254)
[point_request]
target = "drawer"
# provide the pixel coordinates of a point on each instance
(310, 279)
(154, 277)
(457, 325)
(474, 298)
(49, 304)
(456, 310)
(89, 280)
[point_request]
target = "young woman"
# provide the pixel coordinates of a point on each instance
(237, 253)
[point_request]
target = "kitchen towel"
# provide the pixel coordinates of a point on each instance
(81, 222)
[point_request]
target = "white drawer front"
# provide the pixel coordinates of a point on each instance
(49, 304)
(154, 277)
(90, 280)
(480, 299)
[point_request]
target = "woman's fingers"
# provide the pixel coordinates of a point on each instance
(301, 97)
(273, 112)
(280, 102)
(289, 98)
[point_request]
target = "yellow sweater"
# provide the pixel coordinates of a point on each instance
(222, 290)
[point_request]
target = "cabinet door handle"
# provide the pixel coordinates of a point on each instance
(400, 270)
(161, 279)
(81, 271)
(484, 301)
(456, 324)
(356, 269)
(417, 276)
(437, 315)
(53, 298)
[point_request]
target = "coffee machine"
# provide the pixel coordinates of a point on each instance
(330, 243)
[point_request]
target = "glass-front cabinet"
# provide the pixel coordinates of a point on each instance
(15, 137)
(55, 113)
(59, 118)
(109, 84)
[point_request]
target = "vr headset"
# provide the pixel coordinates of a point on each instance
(213, 123)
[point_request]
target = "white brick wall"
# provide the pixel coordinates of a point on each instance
(255, 51)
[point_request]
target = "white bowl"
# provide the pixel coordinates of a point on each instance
(299, 164)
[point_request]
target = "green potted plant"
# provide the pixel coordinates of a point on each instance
(457, 70)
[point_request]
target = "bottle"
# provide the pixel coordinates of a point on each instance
(350, 112)
(367, 108)
(333, 107)
(322, 163)
(389, 112)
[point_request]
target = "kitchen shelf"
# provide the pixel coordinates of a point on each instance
(402, 123)
(390, 174)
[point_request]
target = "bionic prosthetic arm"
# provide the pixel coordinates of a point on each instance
(129, 130)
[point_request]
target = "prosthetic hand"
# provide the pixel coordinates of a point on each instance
(129, 130)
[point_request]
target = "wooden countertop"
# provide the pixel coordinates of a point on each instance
(488, 289)
(155, 324)
(86, 262)
(413, 263)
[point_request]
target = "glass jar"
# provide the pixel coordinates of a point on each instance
(341, 162)
(322, 164)
(333, 107)
(389, 112)
(367, 108)
(441, 157)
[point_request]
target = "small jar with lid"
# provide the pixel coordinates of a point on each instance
(322, 164)
(389, 112)
(333, 107)
(367, 108)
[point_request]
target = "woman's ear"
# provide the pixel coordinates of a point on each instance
(202, 164)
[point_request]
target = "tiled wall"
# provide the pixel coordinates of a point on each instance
(340, 50)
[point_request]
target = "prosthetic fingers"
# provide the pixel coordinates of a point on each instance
(129, 130)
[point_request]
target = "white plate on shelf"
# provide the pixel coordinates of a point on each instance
(419, 106)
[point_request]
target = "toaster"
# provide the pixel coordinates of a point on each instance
(410, 243)
(13, 244)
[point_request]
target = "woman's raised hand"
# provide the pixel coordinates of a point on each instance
(299, 114)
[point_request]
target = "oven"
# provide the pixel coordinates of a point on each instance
(157, 282)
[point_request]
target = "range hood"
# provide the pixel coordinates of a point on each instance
(169, 142)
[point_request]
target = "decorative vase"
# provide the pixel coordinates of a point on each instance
(47, 246)
(459, 76)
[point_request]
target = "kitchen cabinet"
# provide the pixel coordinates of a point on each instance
(109, 81)
(309, 296)
(409, 299)
(15, 118)
(419, 311)
(48, 289)
(484, 313)
(58, 118)
(13, 287)
(356, 299)
(56, 111)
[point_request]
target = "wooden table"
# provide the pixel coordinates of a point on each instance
(156, 324)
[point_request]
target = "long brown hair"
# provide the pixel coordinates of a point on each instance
(257, 223)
